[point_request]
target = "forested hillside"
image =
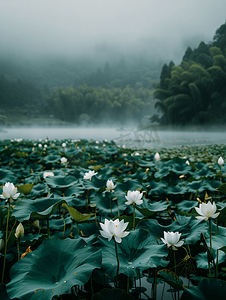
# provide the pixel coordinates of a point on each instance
(87, 104)
(194, 92)
(79, 92)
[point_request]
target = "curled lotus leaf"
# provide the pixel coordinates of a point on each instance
(39, 209)
(52, 269)
(136, 253)
(207, 289)
(61, 182)
(7, 176)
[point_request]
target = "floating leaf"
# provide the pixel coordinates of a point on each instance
(171, 278)
(76, 215)
(25, 188)
(52, 269)
(39, 209)
(207, 289)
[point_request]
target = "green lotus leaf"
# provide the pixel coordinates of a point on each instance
(163, 172)
(38, 190)
(58, 224)
(112, 294)
(102, 202)
(50, 159)
(52, 269)
(222, 188)
(76, 215)
(61, 182)
(211, 185)
(181, 169)
(148, 209)
(128, 184)
(176, 190)
(205, 172)
(202, 259)
(94, 184)
(25, 188)
(39, 209)
(72, 152)
(7, 176)
(171, 278)
(194, 186)
(218, 241)
(157, 187)
(74, 190)
(146, 163)
(207, 289)
(187, 205)
(136, 253)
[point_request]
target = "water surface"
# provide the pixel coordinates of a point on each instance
(150, 138)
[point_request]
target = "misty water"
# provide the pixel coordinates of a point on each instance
(130, 137)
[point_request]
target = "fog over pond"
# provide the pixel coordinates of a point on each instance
(130, 137)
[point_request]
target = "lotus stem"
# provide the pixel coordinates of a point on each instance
(133, 216)
(18, 249)
(6, 242)
(117, 273)
(175, 262)
(111, 206)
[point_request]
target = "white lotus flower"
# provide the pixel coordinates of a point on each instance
(89, 175)
(9, 192)
(187, 162)
(63, 160)
(110, 185)
(157, 156)
(46, 174)
(206, 211)
(64, 145)
(114, 229)
(172, 239)
(220, 161)
(134, 197)
(19, 231)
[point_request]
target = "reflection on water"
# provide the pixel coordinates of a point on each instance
(150, 138)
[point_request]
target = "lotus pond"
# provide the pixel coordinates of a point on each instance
(70, 235)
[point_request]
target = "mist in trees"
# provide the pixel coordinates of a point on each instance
(194, 92)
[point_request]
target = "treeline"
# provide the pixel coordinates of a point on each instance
(194, 92)
(19, 94)
(93, 105)
(78, 91)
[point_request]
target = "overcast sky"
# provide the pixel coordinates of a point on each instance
(163, 28)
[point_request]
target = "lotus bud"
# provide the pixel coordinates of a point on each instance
(19, 231)
(157, 156)
(220, 161)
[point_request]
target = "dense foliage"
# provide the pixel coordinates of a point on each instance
(194, 92)
(47, 86)
(87, 104)
(62, 254)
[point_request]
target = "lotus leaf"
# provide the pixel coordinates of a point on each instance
(39, 209)
(207, 289)
(52, 269)
(7, 176)
(136, 253)
(61, 182)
